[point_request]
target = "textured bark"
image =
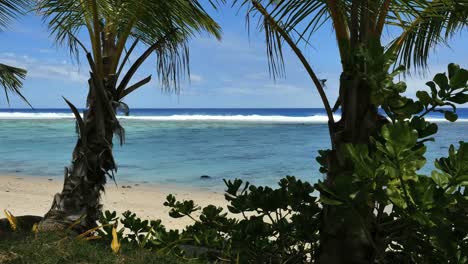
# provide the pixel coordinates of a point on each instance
(78, 203)
(343, 236)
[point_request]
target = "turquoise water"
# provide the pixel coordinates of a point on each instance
(179, 151)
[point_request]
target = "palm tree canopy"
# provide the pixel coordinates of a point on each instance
(11, 78)
(116, 22)
(422, 23)
(10, 10)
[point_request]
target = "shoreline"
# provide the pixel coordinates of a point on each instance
(31, 195)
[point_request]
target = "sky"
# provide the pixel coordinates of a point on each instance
(231, 73)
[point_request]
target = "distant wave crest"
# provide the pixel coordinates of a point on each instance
(206, 118)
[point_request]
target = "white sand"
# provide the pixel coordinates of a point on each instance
(25, 195)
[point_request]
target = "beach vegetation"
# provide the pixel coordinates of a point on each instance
(415, 218)
(11, 78)
(108, 33)
(373, 206)
(349, 231)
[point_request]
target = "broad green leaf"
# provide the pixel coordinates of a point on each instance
(441, 80)
(450, 116)
(424, 97)
(329, 201)
(440, 178)
(459, 80)
(396, 197)
(433, 88)
(462, 180)
(459, 98)
(453, 69)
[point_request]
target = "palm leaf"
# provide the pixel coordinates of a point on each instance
(79, 121)
(11, 79)
(10, 10)
(433, 25)
(424, 23)
(148, 21)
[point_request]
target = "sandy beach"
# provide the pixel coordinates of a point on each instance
(26, 195)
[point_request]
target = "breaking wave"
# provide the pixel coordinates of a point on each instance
(196, 118)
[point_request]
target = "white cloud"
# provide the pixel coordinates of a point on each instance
(62, 71)
(195, 78)
(262, 89)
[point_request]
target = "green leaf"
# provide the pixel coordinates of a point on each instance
(424, 97)
(396, 197)
(450, 116)
(433, 88)
(460, 79)
(440, 178)
(441, 80)
(462, 180)
(453, 69)
(459, 98)
(329, 201)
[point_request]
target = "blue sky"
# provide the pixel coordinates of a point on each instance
(227, 74)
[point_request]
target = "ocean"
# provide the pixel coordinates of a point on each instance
(177, 146)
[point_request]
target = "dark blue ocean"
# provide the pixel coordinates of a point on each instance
(177, 146)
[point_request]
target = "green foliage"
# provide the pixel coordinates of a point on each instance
(417, 218)
(140, 233)
(265, 225)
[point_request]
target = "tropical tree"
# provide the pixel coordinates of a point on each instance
(11, 78)
(349, 231)
(113, 29)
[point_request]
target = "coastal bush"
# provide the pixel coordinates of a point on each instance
(273, 225)
(415, 218)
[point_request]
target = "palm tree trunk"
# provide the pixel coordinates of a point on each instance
(346, 234)
(79, 202)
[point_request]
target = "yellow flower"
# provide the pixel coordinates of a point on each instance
(115, 245)
(12, 220)
(35, 228)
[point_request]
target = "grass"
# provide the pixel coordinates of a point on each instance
(57, 248)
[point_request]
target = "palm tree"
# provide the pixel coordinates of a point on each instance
(114, 28)
(11, 78)
(358, 27)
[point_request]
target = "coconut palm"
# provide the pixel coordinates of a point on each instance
(108, 31)
(348, 235)
(11, 78)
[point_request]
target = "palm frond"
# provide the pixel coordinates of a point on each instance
(425, 27)
(10, 10)
(11, 80)
(425, 23)
(65, 19)
(275, 35)
(119, 21)
(184, 19)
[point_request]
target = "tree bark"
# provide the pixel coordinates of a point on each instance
(78, 204)
(346, 237)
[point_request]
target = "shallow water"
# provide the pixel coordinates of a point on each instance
(179, 152)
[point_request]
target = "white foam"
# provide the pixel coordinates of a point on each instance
(196, 118)
(208, 118)
(235, 118)
(19, 115)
